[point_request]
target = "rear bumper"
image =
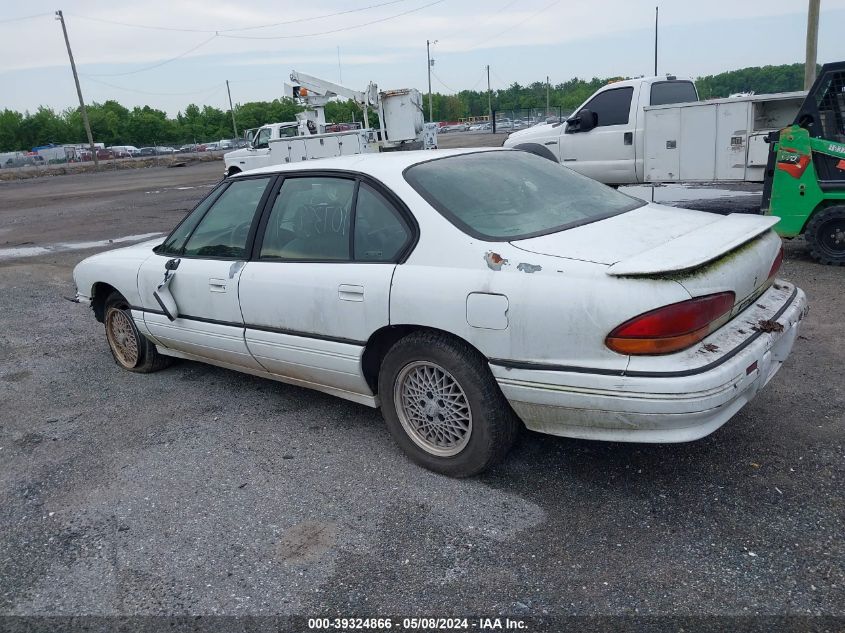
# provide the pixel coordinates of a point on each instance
(680, 403)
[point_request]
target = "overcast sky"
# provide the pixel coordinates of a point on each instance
(522, 40)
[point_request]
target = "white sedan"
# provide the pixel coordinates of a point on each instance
(466, 293)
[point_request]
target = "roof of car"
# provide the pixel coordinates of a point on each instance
(376, 161)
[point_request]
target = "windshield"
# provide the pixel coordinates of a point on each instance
(507, 195)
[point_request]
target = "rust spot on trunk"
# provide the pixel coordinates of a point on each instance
(710, 347)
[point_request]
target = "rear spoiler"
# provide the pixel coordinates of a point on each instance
(696, 248)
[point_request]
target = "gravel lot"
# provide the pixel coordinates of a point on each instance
(198, 490)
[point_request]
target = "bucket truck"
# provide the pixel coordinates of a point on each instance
(400, 126)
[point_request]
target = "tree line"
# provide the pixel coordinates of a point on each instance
(114, 124)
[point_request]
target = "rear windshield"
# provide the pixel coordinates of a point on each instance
(663, 92)
(507, 195)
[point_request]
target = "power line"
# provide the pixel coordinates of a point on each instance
(480, 79)
(316, 17)
(433, 74)
(513, 26)
(338, 30)
(25, 17)
(243, 28)
(204, 91)
(156, 65)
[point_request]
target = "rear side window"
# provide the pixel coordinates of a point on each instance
(224, 230)
(663, 92)
(612, 107)
(310, 220)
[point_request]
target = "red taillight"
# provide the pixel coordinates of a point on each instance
(673, 327)
(776, 264)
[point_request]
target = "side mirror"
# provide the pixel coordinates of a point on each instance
(584, 121)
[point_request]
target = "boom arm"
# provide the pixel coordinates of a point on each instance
(328, 89)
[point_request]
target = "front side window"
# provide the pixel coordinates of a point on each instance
(224, 230)
(263, 138)
(612, 107)
(288, 132)
(665, 92)
(310, 220)
(510, 195)
(176, 240)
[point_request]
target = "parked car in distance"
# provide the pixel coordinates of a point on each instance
(147, 151)
(466, 292)
(164, 150)
(124, 151)
(105, 154)
(28, 160)
(211, 147)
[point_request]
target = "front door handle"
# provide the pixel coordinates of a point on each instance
(349, 292)
(550, 143)
(628, 138)
(217, 285)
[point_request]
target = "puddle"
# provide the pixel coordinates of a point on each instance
(685, 193)
(34, 251)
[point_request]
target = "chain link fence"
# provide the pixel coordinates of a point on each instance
(521, 118)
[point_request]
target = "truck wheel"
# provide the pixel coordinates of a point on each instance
(443, 406)
(232, 171)
(825, 233)
(131, 350)
(537, 150)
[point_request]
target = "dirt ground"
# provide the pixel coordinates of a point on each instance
(198, 490)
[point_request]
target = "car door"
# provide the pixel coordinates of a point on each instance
(319, 284)
(607, 151)
(259, 153)
(207, 253)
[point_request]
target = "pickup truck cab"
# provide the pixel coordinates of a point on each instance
(258, 154)
(604, 139)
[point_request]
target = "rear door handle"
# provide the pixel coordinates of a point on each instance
(217, 285)
(349, 292)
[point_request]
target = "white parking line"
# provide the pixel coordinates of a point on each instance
(33, 251)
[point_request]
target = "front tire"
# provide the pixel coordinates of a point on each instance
(130, 349)
(443, 406)
(825, 235)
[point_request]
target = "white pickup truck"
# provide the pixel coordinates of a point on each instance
(258, 154)
(604, 139)
(654, 129)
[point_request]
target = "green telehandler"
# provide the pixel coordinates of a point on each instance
(805, 176)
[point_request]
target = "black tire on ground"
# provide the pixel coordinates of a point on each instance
(130, 349)
(472, 399)
(232, 171)
(825, 234)
(538, 150)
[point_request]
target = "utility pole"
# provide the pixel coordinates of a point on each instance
(547, 95)
(85, 121)
(430, 64)
(490, 101)
(812, 43)
(234, 125)
(656, 14)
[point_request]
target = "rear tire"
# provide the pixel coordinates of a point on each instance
(130, 349)
(443, 406)
(825, 233)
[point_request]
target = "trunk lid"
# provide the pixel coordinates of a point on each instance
(704, 252)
